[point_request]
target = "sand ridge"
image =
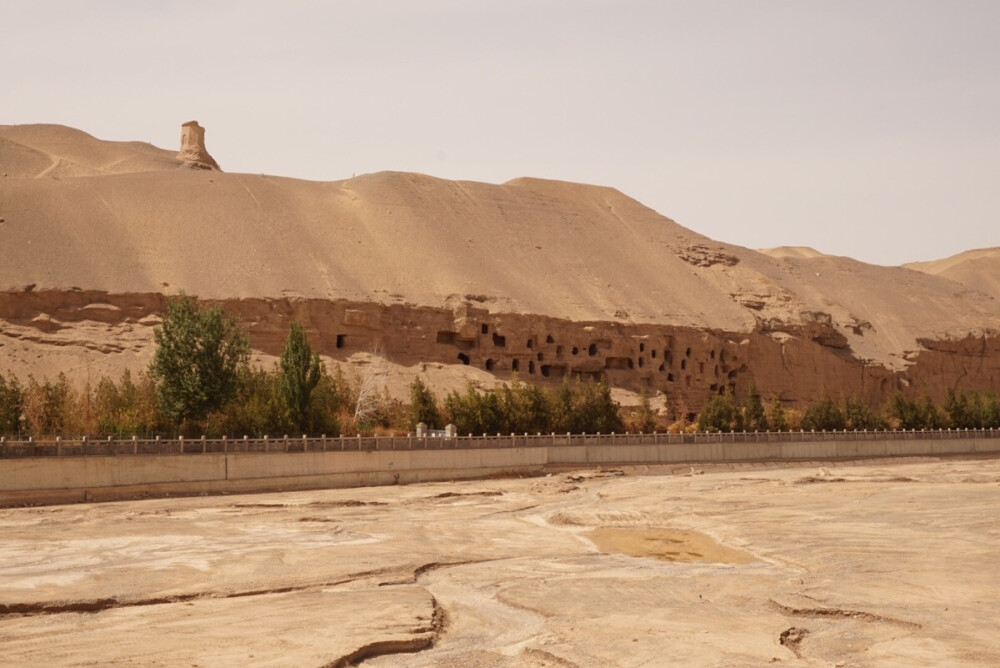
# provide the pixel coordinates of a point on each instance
(978, 269)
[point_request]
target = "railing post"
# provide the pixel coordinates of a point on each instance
(180, 439)
(305, 443)
(225, 444)
(203, 444)
(59, 445)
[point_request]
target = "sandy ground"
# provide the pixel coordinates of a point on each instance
(884, 563)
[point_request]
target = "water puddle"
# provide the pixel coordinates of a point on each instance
(666, 544)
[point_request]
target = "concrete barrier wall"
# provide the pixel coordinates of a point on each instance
(71, 478)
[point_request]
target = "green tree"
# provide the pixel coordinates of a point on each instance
(754, 415)
(560, 407)
(643, 419)
(199, 354)
(523, 407)
(258, 407)
(49, 406)
(776, 416)
(903, 412)
(991, 411)
(11, 405)
(328, 400)
(125, 407)
(930, 415)
(824, 415)
(721, 413)
(472, 412)
(298, 376)
(423, 405)
(858, 415)
(912, 414)
(594, 411)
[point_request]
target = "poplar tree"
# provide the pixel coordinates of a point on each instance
(300, 373)
(423, 405)
(199, 353)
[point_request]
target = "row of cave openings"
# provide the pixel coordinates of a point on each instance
(559, 366)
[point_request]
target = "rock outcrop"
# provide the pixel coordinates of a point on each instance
(107, 333)
(193, 151)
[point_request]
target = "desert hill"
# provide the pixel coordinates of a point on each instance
(801, 252)
(85, 215)
(978, 269)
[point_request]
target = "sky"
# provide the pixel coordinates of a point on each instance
(865, 128)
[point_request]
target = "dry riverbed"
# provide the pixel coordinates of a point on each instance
(880, 563)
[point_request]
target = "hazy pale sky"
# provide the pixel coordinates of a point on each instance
(868, 128)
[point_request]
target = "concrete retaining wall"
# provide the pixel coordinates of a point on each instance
(76, 478)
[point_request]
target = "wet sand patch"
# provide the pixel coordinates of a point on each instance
(666, 544)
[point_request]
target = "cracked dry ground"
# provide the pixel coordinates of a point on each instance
(878, 563)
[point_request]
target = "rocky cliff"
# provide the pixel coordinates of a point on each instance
(540, 277)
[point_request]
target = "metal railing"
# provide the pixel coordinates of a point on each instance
(60, 447)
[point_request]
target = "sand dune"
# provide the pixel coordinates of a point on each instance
(128, 217)
(804, 252)
(978, 269)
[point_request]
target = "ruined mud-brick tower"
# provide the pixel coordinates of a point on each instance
(193, 151)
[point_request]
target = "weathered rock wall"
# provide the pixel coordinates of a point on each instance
(796, 363)
(193, 151)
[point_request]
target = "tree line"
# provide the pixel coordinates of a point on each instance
(962, 409)
(200, 381)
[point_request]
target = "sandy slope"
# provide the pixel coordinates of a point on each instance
(978, 269)
(126, 217)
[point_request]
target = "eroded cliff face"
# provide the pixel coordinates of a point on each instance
(89, 333)
(546, 278)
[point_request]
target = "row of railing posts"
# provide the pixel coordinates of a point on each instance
(58, 446)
